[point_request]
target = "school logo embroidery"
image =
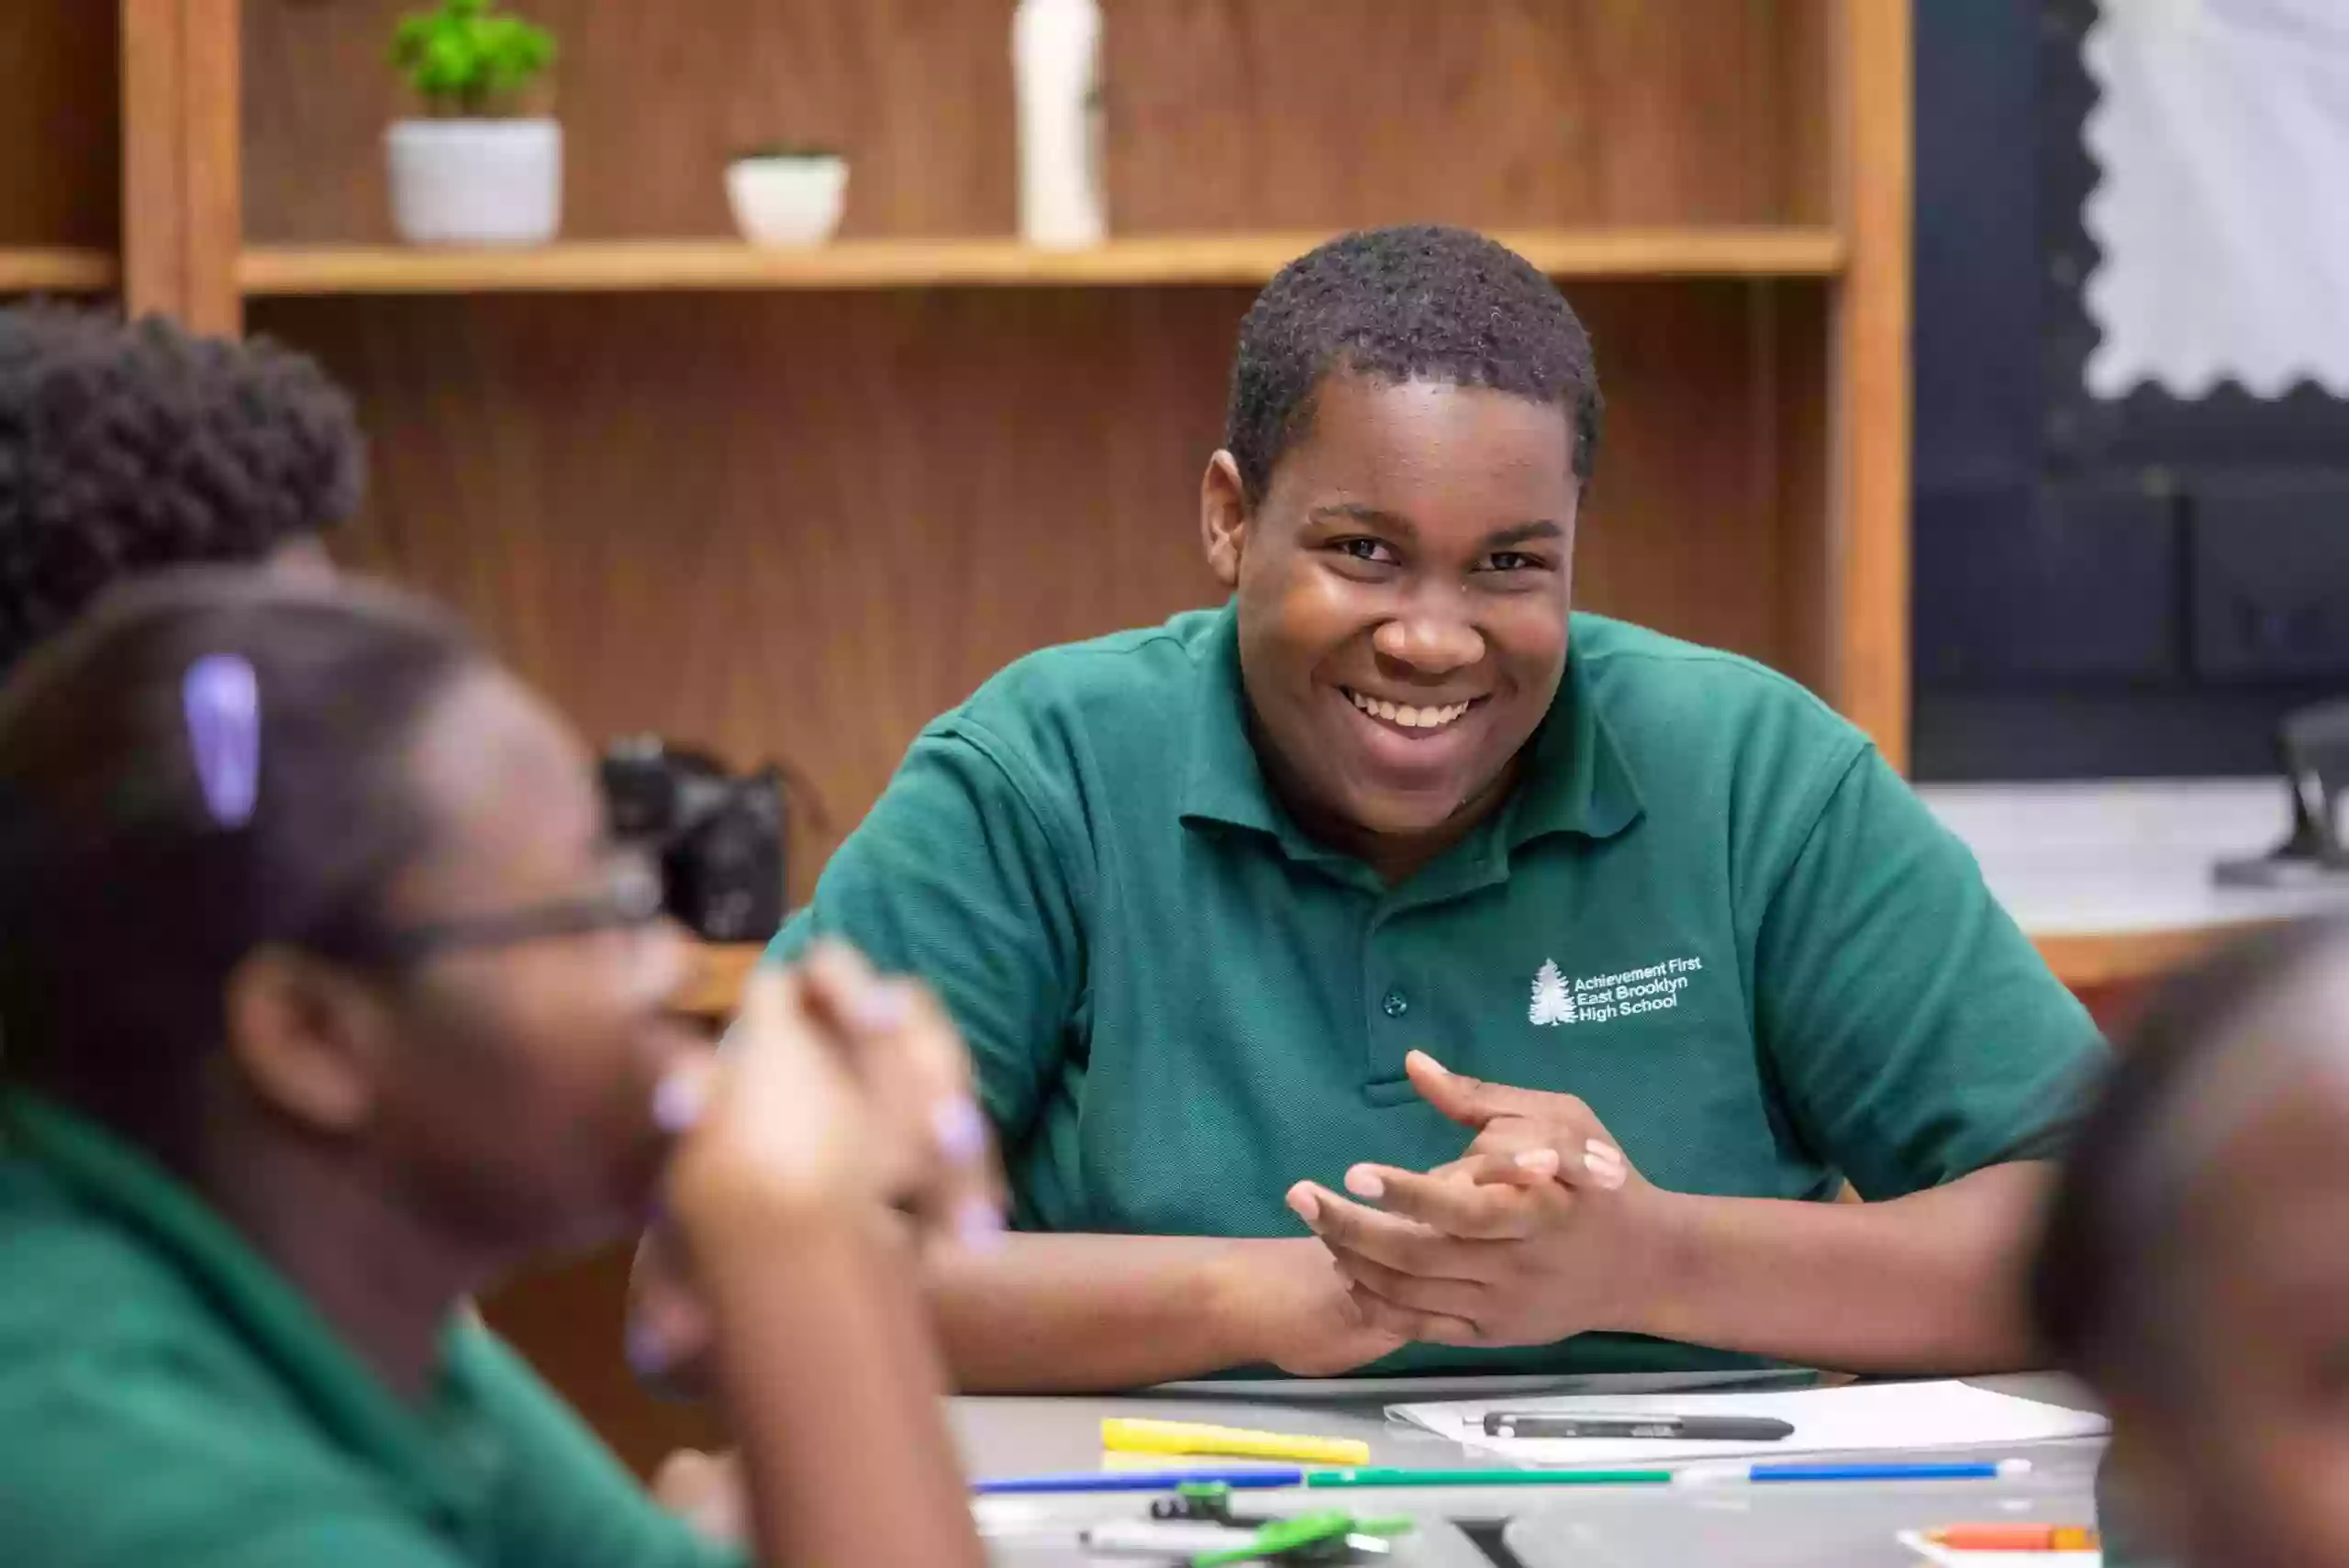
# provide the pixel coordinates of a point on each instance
(1594, 998)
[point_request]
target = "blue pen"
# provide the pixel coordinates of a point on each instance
(2005, 1469)
(1256, 1477)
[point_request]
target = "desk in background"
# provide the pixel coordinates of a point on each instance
(2113, 878)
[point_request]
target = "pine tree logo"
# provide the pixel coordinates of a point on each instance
(1553, 1001)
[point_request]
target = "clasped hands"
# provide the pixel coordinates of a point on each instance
(1542, 1229)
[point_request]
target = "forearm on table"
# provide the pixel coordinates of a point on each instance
(1929, 1283)
(832, 1387)
(1056, 1314)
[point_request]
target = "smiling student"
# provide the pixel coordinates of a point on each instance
(1197, 894)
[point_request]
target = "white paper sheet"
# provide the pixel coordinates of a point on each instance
(1865, 1420)
(2221, 132)
(1945, 1558)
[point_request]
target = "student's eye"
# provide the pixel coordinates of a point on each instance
(1376, 552)
(1513, 561)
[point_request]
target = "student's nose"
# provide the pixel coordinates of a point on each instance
(1432, 639)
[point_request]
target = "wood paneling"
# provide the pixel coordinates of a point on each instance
(654, 96)
(154, 118)
(1807, 32)
(1868, 540)
(1799, 361)
(801, 526)
(1222, 114)
(60, 144)
(214, 166)
(182, 180)
(1499, 113)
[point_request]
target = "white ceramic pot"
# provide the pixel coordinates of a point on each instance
(787, 199)
(475, 182)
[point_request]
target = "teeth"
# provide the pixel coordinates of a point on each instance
(1406, 717)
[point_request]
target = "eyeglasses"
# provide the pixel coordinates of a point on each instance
(630, 900)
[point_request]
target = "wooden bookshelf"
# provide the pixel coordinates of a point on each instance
(632, 266)
(57, 269)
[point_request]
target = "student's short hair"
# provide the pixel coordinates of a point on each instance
(1416, 303)
(2187, 1076)
(128, 897)
(127, 448)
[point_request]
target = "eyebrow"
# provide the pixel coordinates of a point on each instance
(1499, 538)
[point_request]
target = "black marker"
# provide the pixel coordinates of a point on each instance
(1671, 1429)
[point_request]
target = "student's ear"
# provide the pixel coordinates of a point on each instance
(310, 1040)
(1223, 517)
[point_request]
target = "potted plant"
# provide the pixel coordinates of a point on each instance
(473, 172)
(788, 195)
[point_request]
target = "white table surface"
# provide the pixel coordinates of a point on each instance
(1022, 1436)
(2113, 857)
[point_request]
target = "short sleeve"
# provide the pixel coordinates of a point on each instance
(1913, 1029)
(953, 877)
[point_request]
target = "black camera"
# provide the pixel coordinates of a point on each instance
(719, 837)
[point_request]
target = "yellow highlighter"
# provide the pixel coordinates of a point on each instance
(1123, 1435)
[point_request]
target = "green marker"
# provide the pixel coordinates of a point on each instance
(1488, 1477)
(1329, 1527)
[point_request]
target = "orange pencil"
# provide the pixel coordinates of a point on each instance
(2014, 1537)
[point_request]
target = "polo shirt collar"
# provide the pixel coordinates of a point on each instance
(410, 1447)
(1574, 781)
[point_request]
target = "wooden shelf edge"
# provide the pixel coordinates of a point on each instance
(57, 270)
(624, 266)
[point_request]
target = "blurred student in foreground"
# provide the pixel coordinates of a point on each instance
(126, 449)
(2196, 1265)
(327, 1004)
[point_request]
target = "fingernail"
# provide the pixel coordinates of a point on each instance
(648, 1352)
(678, 1101)
(1304, 1204)
(1365, 1183)
(1604, 1149)
(979, 1224)
(1608, 1173)
(1433, 1062)
(1542, 1160)
(880, 1009)
(961, 1130)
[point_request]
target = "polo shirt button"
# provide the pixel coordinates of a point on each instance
(1396, 1005)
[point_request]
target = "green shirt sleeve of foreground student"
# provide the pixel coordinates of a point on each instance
(145, 1459)
(168, 1401)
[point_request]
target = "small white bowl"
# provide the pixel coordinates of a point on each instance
(787, 199)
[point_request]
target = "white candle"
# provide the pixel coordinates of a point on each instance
(1056, 67)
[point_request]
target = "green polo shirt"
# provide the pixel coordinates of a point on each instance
(167, 1400)
(1709, 909)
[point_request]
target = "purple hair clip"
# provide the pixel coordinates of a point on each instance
(221, 699)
